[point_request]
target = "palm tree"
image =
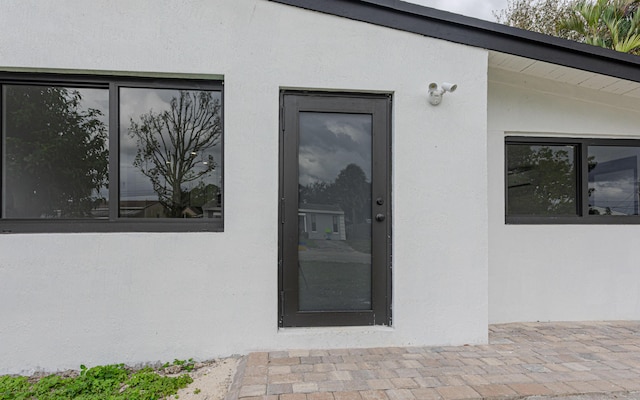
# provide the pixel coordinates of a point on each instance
(614, 24)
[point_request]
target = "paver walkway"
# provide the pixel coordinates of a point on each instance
(597, 359)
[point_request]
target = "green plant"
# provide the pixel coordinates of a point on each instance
(185, 365)
(10, 385)
(109, 382)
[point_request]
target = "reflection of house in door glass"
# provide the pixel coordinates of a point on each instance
(326, 221)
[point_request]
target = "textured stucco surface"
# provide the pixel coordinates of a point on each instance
(557, 272)
(139, 297)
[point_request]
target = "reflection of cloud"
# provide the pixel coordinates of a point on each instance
(134, 102)
(330, 141)
(614, 191)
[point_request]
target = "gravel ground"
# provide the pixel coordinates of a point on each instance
(211, 380)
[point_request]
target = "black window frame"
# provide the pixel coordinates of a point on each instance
(582, 182)
(114, 223)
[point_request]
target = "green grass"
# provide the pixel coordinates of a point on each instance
(108, 382)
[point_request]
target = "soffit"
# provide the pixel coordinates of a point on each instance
(562, 74)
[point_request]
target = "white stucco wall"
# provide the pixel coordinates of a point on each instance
(557, 272)
(139, 297)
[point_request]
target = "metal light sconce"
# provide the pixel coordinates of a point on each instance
(436, 93)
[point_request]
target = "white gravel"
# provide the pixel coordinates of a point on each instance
(211, 380)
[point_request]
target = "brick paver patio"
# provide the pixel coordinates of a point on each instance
(595, 359)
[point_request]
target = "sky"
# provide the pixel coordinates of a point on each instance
(329, 142)
(481, 9)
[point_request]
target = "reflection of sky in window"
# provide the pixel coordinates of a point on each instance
(135, 102)
(97, 99)
(331, 141)
(614, 180)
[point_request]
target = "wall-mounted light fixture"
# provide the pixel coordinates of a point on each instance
(435, 93)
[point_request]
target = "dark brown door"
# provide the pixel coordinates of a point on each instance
(335, 210)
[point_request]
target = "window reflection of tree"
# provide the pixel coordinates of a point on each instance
(350, 191)
(173, 148)
(541, 180)
(56, 154)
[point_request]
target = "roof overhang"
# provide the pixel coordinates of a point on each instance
(553, 72)
(478, 33)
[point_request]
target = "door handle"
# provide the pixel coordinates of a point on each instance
(380, 217)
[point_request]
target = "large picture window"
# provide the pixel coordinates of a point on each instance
(105, 154)
(554, 180)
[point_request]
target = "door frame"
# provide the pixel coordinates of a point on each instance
(379, 106)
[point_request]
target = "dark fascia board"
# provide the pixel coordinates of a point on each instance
(461, 29)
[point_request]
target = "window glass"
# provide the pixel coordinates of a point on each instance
(541, 179)
(103, 153)
(55, 152)
(613, 180)
(334, 179)
(170, 153)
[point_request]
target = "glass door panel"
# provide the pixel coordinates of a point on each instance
(334, 202)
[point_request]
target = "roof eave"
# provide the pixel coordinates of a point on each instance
(460, 29)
